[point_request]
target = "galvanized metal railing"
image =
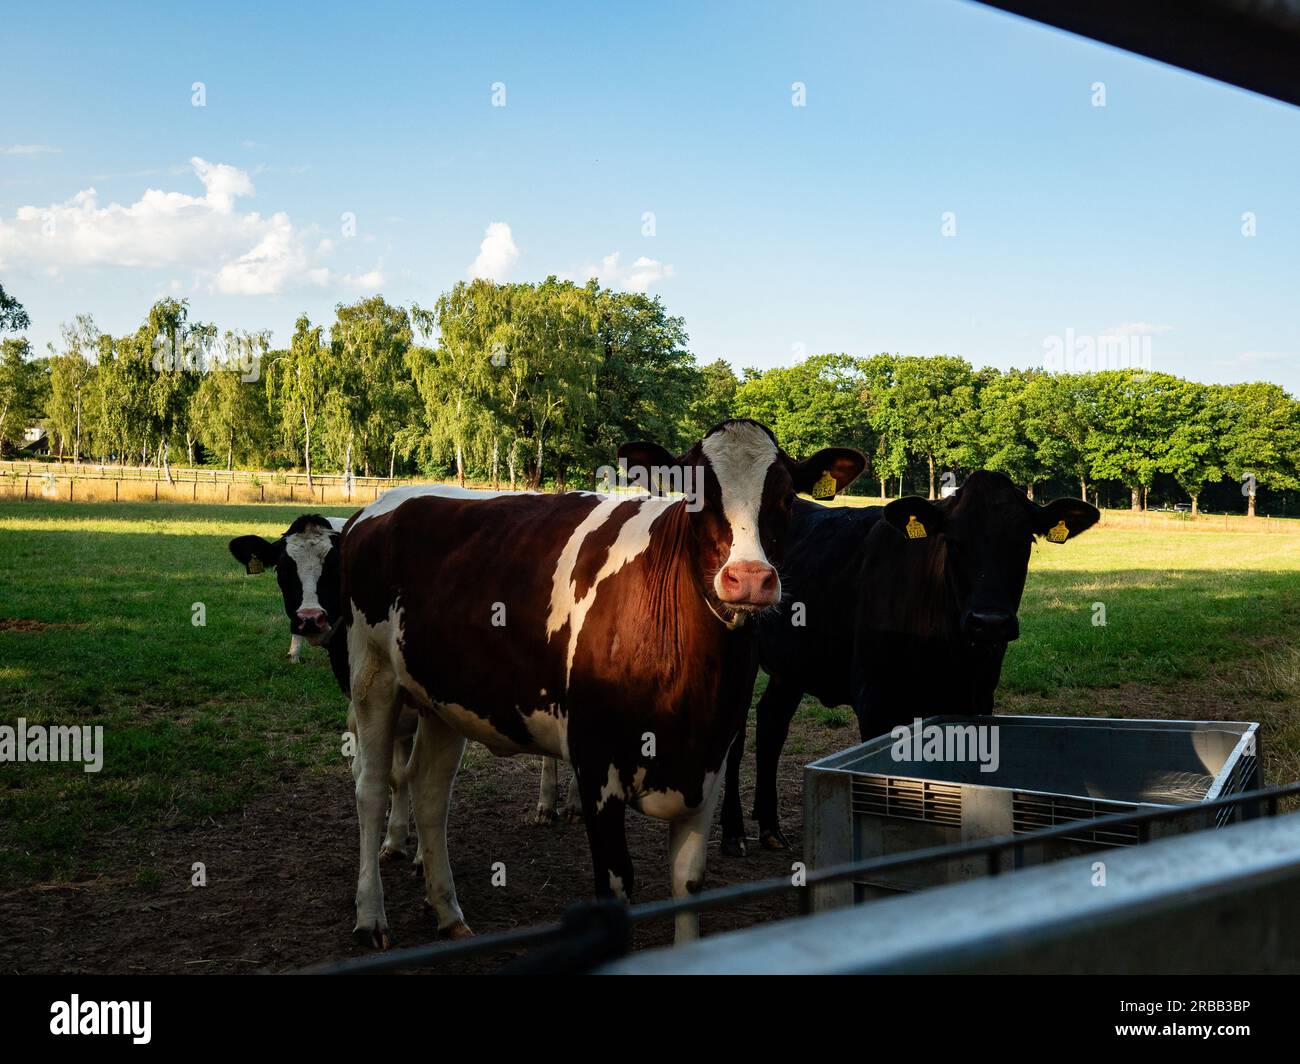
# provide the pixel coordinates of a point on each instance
(593, 932)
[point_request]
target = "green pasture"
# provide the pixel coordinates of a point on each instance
(97, 603)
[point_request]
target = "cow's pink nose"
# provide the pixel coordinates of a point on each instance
(748, 584)
(311, 616)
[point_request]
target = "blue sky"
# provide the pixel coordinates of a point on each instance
(779, 231)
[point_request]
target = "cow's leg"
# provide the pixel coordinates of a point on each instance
(434, 764)
(603, 813)
(688, 842)
(295, 648)
(549, 791)
(375, 702)
(399, 813)
(775, 711)
(733, 821)
(570, 810)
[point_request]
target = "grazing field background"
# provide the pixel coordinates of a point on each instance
(218, 751)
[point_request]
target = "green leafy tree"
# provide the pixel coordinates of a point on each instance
(1194, 453)
(1128, 441)
(454, 379)
(928, 409)
(228, 413)
(297, 381)
(178, 353)
(72, 375)
(1001, 430)
(712, 400)
(368, 394)
(20, 391)
(888, 455)
(813, 404)
(1262, 438)
(555, 347)
(1062, 416)
(13, 318)
(124, 421)
(646, 375)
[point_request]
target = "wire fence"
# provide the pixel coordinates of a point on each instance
(593, 932)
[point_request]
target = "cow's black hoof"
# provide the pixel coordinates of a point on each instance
(374, 937)
(391, 853)
(773, 840)
(734, 847)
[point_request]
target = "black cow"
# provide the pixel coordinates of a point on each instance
(898, 611)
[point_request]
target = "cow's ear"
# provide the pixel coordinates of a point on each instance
(828, 472)
(255, 554)
(1064, 519)
(915, 517)
(642, 459)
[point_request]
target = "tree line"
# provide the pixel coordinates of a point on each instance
(538, 384)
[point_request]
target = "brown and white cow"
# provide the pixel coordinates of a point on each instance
(603, 629)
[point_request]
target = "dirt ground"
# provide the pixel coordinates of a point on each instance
(281, 877)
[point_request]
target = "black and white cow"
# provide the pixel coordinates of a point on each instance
(306, 564)
(900, 611)
(607, 630)
(305, 560)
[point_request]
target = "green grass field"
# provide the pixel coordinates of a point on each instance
(97, 601)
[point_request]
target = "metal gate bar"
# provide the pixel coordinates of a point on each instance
(589, 917)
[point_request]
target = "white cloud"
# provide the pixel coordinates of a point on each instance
(496, 255)
(233, 252)
(638, 277)
(1137, 328)
(1251, 357)
(264, 268)
(371, 281)
(30, 149)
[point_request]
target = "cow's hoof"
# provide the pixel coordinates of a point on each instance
(773, 840)
(544, 816)
(571, 814)
(734, 847)
(391, 852)
(456, 931)
(372, 937)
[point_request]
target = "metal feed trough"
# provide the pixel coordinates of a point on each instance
(870, 802)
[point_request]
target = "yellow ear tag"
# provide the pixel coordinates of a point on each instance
(915, 530)
(255, 565)
(825, 488)
(1059, 533)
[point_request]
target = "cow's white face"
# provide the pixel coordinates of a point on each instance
(743, 458)
(740, 516)
(306, 564)
(307, 553)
